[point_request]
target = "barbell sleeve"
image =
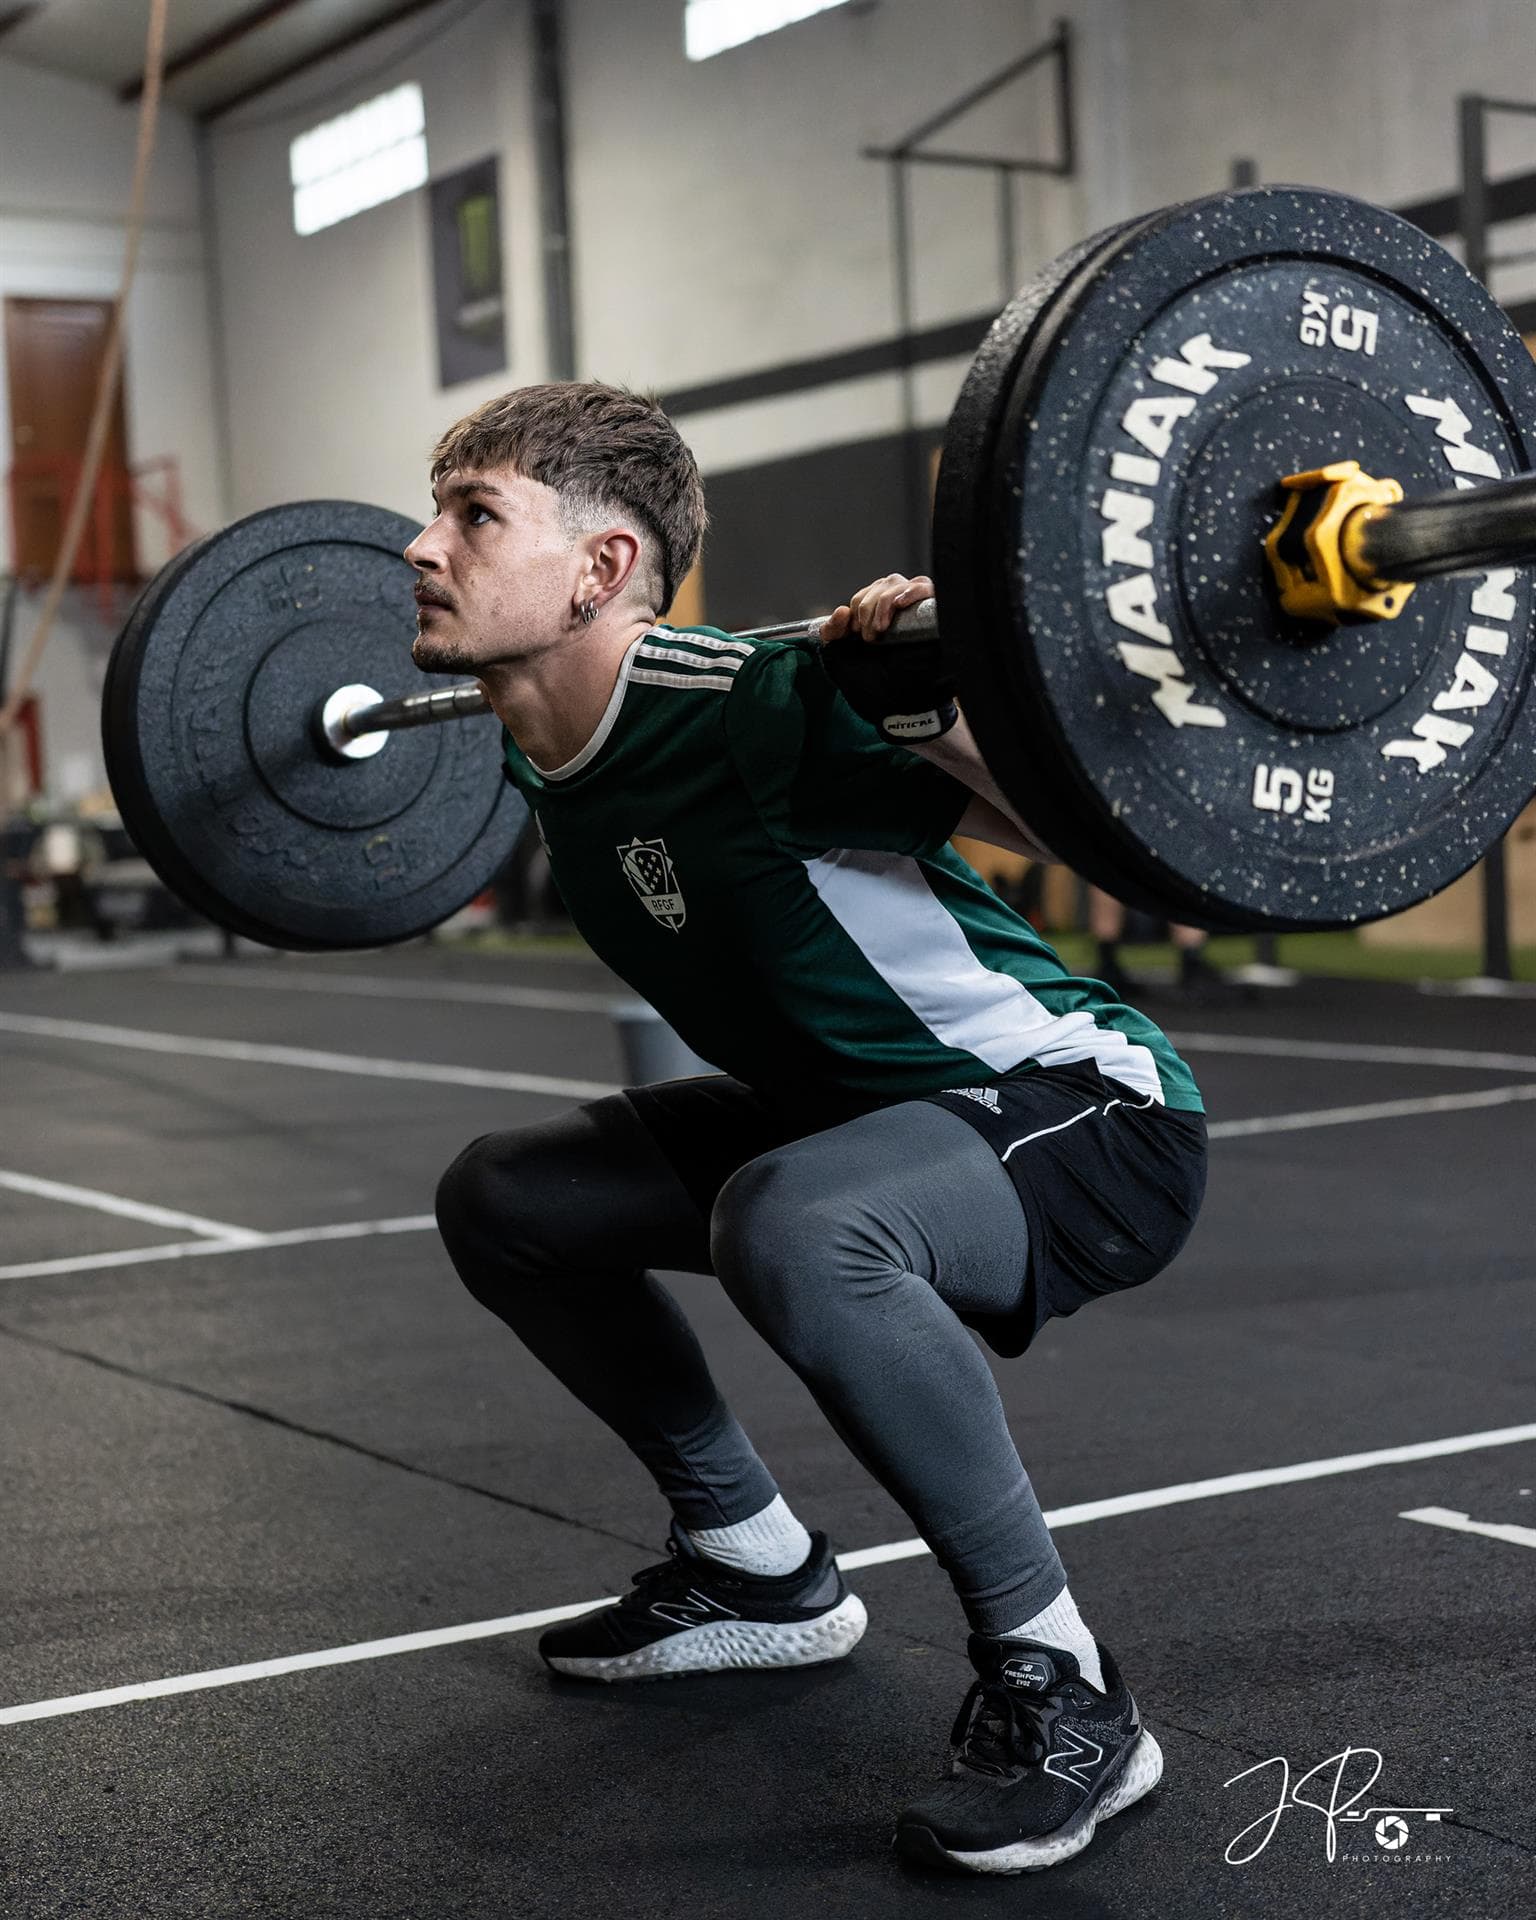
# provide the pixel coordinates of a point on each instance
(416, 709)
(452, 703)
(1486, 526)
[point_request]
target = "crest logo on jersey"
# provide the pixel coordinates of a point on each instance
(648, 869)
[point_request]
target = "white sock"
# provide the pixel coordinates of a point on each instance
(1061, 1625)
(772, 1541)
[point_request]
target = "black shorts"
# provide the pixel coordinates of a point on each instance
(1110, 1187)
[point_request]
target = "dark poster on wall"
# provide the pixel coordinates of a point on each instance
(466, 272)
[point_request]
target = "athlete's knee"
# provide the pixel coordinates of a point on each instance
(489, 1214)
(463, 1190)
(787, 1243)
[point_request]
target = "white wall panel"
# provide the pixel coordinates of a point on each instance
(728, 220)
(331, 351)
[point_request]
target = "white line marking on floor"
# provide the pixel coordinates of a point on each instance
(1459, 1523)
(1255, 1044)
(1285, 1476)
(878, 1556)
(146, 1041)
(560, 1000)
(200, 1249)
(361, 1064)
(425, 992)
(294, 1663)
(242, 1240)
(124, 1209)
(1080, 1515)
(1376, 1110)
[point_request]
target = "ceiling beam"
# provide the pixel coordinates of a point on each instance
(211, 43)
(391, 17)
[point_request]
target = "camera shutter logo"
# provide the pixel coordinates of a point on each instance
(648, 868)
(1391, 1832)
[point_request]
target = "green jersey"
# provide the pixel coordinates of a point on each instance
(750, 855)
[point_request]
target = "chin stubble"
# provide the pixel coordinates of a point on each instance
(437, 656)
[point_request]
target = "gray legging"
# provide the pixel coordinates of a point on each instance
(850, 1251)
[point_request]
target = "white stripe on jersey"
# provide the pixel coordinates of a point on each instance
(884, 903)
(729, 664)
(604, 726)
(709, 640)
(713, 673)
(654, 677)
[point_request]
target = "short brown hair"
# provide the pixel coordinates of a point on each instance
(601, 449)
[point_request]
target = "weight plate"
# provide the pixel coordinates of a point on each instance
(209, 727)
(1108, 479)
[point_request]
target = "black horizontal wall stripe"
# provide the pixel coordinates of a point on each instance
(1511, 199)
(836, 512)
(792, 537)
(1523, 314)
(821, 370)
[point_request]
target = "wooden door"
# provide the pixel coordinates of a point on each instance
(53, 356)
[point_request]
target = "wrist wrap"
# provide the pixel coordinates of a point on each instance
(899, 685)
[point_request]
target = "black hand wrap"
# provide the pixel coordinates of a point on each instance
(900, 685)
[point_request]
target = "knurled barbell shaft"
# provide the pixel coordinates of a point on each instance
(451, 703)
(415, 709)
(1486, 526)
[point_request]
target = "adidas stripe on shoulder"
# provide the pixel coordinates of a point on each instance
(688, 660)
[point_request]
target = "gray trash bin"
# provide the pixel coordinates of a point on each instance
(652, 1051)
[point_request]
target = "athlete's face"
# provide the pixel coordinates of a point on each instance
(498, 575)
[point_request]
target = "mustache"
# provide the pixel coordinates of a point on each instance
(426, 595)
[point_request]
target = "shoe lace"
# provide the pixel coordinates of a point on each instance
(996, 1730)
(650, 1582)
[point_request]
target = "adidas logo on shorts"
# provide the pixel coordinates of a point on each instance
(986, 1095)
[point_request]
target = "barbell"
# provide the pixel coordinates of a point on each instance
(1229, 537)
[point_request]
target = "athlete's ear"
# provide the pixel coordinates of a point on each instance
(612, 557)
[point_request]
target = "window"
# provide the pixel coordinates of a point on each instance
(359, 159)
(710, 26)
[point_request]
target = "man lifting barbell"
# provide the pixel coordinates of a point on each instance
(924, 1123)
(1189, 533)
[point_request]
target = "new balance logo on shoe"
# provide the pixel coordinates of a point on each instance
(1076, 1757)
(692, 1610)
(1022, 1672)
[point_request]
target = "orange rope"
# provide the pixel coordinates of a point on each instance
(106, 386)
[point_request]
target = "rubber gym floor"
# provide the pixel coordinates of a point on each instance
(284, 1509)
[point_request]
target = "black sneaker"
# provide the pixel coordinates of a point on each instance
(692, 1615)
(1038, 1758)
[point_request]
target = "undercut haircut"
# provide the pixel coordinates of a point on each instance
(607, 453)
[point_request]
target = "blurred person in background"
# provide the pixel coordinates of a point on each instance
(1197, 979)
